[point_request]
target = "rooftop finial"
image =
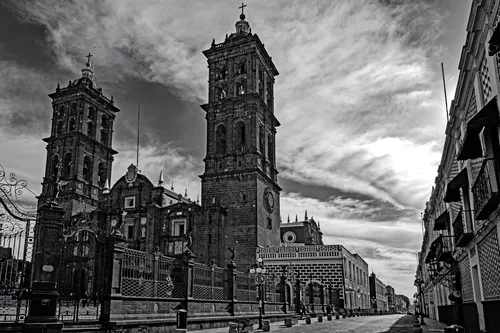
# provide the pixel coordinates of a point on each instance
(305, 216)
(172, 187)
(288, 220)
(296, 218)
(88, 59)
(242, 26)
(88, 72)
(186, 193)
(160, 179)
(198, 199)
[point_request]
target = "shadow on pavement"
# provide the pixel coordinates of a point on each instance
(402, 325)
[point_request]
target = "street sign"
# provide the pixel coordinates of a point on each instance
(260, 279)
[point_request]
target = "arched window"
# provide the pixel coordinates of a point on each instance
(221, 93)
(72, 124)
(87, 168)
(270, 150)
(54, 167)
(92, 113)
(262, 140)
(60, 114)
(240, 140)
(242, 68)
(104, 136)
(90, 129)
(241, 87)
(66, 165)
(220, 139)
(104, 122)
(223, 73)
(101, 173)
(60, 125)
(73, 109)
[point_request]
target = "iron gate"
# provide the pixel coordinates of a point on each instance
(82, 269)
(17, 221)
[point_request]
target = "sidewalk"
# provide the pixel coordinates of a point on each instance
(433, 326)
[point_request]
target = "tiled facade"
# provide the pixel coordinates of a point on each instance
(460, 258)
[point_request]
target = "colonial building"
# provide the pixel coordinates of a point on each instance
(321, 265)
(391, 298)
(305, 232)
(378, 291)
(460, 256)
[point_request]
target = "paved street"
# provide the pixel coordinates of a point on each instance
(372, 324)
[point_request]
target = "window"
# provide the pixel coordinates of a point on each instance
(90, 129)
(241, 88)
(270, 148)
(59, 129)
(178, 227)
(104, 122)
(72, 124)
(66, 165)
(242, 68)
(55, 167)
(92, 113)
(87, 168)
(129, 202)
(60, 114)
(269, 223)
(104, 136)
(220, 139)
(73, 109)
(101, 173)
(262, 140)
(130, 232)
(240, 134)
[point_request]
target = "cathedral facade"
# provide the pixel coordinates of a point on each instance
(240, 196)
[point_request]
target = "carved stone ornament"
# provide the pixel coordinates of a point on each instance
(131, 174)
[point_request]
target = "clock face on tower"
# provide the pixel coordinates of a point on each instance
(268, 200)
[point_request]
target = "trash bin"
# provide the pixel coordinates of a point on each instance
(454, 329)
(182, 319)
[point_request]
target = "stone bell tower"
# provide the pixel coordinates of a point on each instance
(240, 164)
(79, 153)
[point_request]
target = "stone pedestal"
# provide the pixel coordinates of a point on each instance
(308, 319)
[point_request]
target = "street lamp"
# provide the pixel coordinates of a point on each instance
(257, 269)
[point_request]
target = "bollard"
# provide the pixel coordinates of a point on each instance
(295, 320)
(265, 326)
(344, 315)
(329, 316)
(454, 329)
(181, 321)
(320, 318)
(233, 327)
(288, 322)
(308, 319)
(337, 316)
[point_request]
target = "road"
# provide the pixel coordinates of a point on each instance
(396, 323)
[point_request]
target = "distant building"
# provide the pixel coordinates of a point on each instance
(378, 293)
(391, 302)
(306, 232)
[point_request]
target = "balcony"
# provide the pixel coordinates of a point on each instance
(462, 234)
(443, 249)
(442, 221)
(485, 190)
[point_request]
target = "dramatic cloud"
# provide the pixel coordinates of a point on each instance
(359, 97)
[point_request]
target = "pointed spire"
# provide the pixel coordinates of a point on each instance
(305, 216)
(319, 226)
(186, 193)
(198, 199)
(172, 187)
(213, 42)
(288, 220)
(58, 87)
(160, 179)
(296, 218)
(226, 37)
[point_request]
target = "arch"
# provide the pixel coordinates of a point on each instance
(72, 124)
(60, 114)
(270, 148)
(241, 87)
(262, 140)
(59, 127)
(220, 139)
(102, 174)
(240, 134)
(90, 129)
(104, 122)
(104, 136)
(92, 113)
(73, 109)
(66, 169)
(87, 168)
(241, 67)
(54, 166)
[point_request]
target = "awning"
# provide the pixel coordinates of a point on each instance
(442, 221)
(453, 187)
(487, 116)
(494, 42)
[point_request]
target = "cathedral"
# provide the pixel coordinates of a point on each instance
(240, 196)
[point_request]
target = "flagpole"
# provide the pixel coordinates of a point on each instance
(138, 132)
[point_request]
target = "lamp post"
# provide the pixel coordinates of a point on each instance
(419, 282)
(258, 270)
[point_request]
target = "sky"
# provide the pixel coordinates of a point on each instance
(359, 97)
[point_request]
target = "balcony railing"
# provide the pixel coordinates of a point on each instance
(485, 191)
(443, 249)
(463, 235)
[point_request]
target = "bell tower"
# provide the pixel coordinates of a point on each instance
(79, 153)
(240, 164)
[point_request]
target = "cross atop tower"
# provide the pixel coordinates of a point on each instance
(88, 56)
(242, 7)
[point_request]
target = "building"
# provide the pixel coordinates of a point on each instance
(321, 265)
(378, 293)
(399, 304)
(457, 276)
(240, 203)
(391, 301)
(306, 232)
